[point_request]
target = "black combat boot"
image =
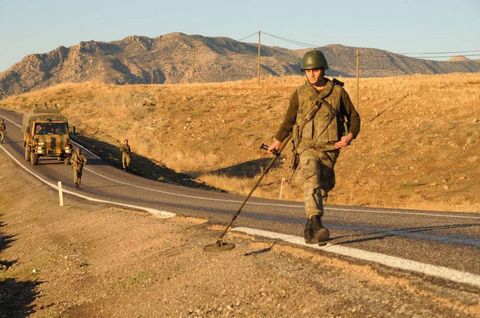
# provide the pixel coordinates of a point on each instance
(315, 232)
(321, 234)
(308, 232)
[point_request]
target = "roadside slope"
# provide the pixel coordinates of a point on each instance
(86, 260)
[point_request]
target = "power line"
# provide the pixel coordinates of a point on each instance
(307, 45)
(452, 52)
(386, 53)
(295, 42)
(441, 56)
(374, 54)
(248, 36)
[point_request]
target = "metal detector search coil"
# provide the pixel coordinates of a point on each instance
(219, 246)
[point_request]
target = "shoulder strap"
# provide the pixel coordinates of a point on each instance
(323, 95)
(329, 106)
(337, 82)
(317, 104)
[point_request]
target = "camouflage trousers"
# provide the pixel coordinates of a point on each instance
(77, 175)
(317, 176)
(125, 160)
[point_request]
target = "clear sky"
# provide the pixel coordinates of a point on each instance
(38, 26)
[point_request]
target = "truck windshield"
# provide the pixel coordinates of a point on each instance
(50, 129)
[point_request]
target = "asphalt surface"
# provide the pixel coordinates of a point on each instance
(450, 239)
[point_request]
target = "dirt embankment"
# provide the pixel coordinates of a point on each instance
(94, 260)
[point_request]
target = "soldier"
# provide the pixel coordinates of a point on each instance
(78, 161)
(317, 146)
(3, 130)
(126, 152)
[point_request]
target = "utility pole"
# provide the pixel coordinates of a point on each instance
(259, 54)
(358, 77)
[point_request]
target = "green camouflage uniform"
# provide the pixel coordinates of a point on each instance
(316, 143)
(78, 161)
(126, 153)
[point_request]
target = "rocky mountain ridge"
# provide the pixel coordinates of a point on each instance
(177, 58)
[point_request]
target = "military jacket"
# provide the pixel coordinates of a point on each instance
(327, 126)
(78, 161)
(125, 149)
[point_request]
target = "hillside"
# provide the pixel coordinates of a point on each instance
(169, 59)
(419, 146)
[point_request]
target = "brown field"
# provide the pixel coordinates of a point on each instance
(419, 146)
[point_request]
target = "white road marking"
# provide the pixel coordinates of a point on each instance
(87, 150)
(352, 209)
(387, 260)
(9, 120)
(155, 212)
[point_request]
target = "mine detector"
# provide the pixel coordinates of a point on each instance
(46, 134)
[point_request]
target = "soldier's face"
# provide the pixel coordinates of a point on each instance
(314, 75)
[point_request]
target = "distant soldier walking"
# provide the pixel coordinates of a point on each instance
(322, 120)
(3, 130)
(78, 161)
(126, 154)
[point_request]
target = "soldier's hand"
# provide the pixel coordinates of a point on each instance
(274, 146)
(344, 141)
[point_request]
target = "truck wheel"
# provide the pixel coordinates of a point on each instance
(27, 153)
(33, 159)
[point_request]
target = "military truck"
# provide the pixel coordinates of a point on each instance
(46, 134)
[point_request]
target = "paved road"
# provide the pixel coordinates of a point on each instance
(445, 239)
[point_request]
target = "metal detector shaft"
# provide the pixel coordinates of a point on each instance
(276, 154)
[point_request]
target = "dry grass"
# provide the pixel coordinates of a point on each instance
(422, 151)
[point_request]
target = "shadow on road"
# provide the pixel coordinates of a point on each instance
(140, 165)
(11, 142)
(412, 232)
(16, 297)
(248, 169)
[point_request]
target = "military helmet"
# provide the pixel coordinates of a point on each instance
(314, 59)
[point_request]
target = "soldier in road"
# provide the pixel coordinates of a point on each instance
(78, 161)
(3, 130)
(126, 154)
(317, 146)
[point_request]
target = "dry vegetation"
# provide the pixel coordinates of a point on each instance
(419, 146)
